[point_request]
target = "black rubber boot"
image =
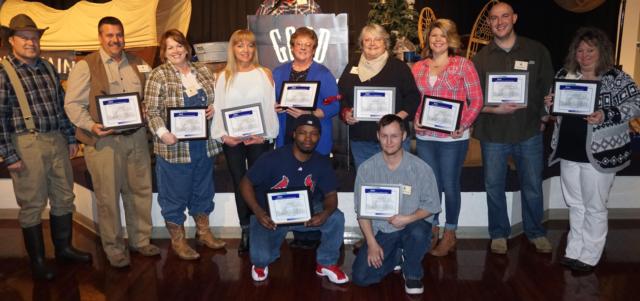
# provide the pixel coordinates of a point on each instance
(34, 243)
(244, 241)
(61, 229)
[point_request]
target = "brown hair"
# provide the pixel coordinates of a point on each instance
(389, 119)
(177, 36)
(450, 31)
(596, 38)
(304, 32)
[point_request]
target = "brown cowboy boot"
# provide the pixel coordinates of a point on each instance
(435, 233)
(447, 244)
(179, 243)
(204, 235)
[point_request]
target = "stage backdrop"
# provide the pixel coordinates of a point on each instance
(274, 32)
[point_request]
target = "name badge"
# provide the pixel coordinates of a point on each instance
(144, 68)
(406, 189)
(521, 65)
(302, 2)
(191, 91)
(354, 70)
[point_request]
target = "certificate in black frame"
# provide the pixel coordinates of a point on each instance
(288, 190)
(557, 83)
(456, 103)
(286, 84)
(102, 100)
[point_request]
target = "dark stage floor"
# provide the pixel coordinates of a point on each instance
(472, 273)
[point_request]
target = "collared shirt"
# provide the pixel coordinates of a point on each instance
(459, 81)
(419, 187)
(525, 55)
(164, 89)
(46, 101)
(122, 79)
(268, 7)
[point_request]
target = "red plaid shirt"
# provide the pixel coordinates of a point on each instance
(459, 81)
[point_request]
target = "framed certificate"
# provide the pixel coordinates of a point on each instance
(188, 123)
(371, 103)
(244, 120)
(575, 97)
(379, 201)
(440, 114)
(120, 111)
(299, 95)
(289, 206)
(506, 87)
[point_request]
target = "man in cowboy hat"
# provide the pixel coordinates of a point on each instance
(36, 142)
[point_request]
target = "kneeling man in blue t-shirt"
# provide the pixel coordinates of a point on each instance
(295, 166)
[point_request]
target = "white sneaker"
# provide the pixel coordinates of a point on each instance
(259, 274)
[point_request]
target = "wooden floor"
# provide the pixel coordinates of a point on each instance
(472, 273)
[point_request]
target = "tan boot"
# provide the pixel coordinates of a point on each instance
(204, 235)
(179, 243)
(435, 233)
(447, 244)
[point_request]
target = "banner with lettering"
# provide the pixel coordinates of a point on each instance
(274, 32)
(62, 61)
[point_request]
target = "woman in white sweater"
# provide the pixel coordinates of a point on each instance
(244, 82)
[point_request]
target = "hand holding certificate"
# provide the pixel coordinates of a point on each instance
(120, 111)
(371, 103)
(506, 88)
(379, 201)
(441, 114)
(188, 123)
(244, 121)
(299, 95)
(289, 206)
(575, 97)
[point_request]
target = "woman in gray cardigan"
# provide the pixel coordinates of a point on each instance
(592, 149)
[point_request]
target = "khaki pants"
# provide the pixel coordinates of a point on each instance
(118, 165)
(47, 173)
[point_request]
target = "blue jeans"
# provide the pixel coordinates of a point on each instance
(413, 241)
(529, 164)
(186, 185)
(363, 150)
(265, 243)
(445, 159)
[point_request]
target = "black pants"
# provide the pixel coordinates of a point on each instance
(237, 158)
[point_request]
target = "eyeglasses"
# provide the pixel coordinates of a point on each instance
(301, 45)
(371, 41)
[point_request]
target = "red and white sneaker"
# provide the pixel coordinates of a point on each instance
(333, 272)
(259, 274)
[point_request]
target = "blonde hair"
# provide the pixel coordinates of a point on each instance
(450, 32)
(377, 31)
(231, 69)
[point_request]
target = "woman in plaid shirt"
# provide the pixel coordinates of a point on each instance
(443, 73)
(184, 169)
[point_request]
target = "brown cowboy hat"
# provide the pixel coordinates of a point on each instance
(23, 22)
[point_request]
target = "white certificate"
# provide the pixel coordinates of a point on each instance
(371, 103)
(244, 121)
(188, 123)
(441, 114)
(506, 88)
(120, 111)
(300, 95)
(575, 97)
(379, 201)
(289, 206)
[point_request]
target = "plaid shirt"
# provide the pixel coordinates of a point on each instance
(458, 81)
(268, 7)
(164, 90)
(46, 101)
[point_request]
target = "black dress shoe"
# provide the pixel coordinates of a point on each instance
(580, 266)
(304, 244)
(566, 261)
(244, 241)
